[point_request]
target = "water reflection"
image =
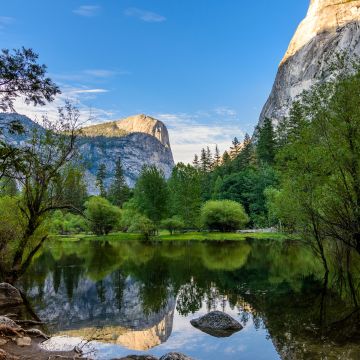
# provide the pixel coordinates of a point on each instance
(135, 295)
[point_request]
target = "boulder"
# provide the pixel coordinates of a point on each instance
(23, 341)
(9, 323)
(217, 323)
(36, 333)
(9, 295)
(175, 356)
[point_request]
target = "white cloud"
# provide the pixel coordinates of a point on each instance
(90, 91)
(189, 133)
(87, 10)
(225, 111)
(90, 115)
(90, 75)
(5, 21)
(144, 15)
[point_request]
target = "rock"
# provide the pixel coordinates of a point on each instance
(37, 333)
(23, 341)
(10, 323)
(3, 341)
(175, 356)
(9, 295)
(330, 27)
(5, 356)
(138, 357)
(217, 323)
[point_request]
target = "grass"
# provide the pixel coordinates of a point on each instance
(165, 236)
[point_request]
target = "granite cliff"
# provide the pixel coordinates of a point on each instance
(330, 27)
(138, 140)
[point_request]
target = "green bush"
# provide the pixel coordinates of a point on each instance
(223, 215)
(101, 215)
(67, 223)
(143, 225)
(173, 224)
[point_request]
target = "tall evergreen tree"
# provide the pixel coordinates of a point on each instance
(196, 162)
(100, 180)
(209, 159)
(266, 144)
(235, 148)
(119, 191)
(203, 160)
(217, 157)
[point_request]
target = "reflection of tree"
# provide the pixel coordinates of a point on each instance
(101, 291)
(118, 281)
(190, 297)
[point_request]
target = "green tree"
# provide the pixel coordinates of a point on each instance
(224, 215)
(185, 194)
(151, 194)
(173, 224)
(119, 192)
(235, 148)
(102, 216)
(266, 144)
(8, 186)
(100, 180)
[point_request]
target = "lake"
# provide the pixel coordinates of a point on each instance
(133, 297)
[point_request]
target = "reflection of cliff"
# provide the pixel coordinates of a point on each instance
(104, 304)
(144, 339)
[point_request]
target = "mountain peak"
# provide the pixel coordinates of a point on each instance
(323, 16)
(139, 123)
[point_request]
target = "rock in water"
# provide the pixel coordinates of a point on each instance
(138, 357)
(217, 323)
(330, 27)
(175, 356)
(9, 295)
(9, 323)
(23, 341)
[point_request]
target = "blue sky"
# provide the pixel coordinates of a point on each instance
(204, 67)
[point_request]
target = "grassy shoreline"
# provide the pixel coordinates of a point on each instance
(165, 236)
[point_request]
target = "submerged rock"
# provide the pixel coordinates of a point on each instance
(9, 295)
(175, 356)
(217, 323)
(23, 341)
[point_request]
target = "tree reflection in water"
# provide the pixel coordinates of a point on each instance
(132, 285)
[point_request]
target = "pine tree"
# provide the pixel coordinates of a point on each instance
(100, 179)
(203, 160)
(209, 159)
(246, 155)
(226, 158)
(196, 162)
(266, 145)
(235, 148)
(217, 157)
(119, 191)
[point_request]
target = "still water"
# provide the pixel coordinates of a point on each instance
(138, 298)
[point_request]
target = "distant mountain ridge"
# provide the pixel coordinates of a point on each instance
(137, 141)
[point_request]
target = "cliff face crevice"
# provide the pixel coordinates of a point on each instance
(330, 27)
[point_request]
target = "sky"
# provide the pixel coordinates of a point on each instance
(203, 67)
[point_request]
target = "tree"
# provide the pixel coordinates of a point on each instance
(320, 163)
(226, 158)
(185, 194)
(246, 156)
(217, 157)
(196, 162)
(20, 75)
(235, 148)
(119, 191)
(100, 180)
(173, 224)
(266, 145)
(8, 186)
(44, 156)
(71, 187)
(143, 225)
(224, 215)
(151, 194)
(102, 216)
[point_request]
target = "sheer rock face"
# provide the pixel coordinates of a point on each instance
(330, 27)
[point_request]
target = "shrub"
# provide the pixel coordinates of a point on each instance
(143, 225)
(102, 216)
(223, 215)
(67, 223)
(173, 224)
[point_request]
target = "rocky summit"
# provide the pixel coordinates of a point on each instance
(137, 140)
(330, 27)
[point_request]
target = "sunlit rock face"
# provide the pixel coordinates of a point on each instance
(330, 27)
